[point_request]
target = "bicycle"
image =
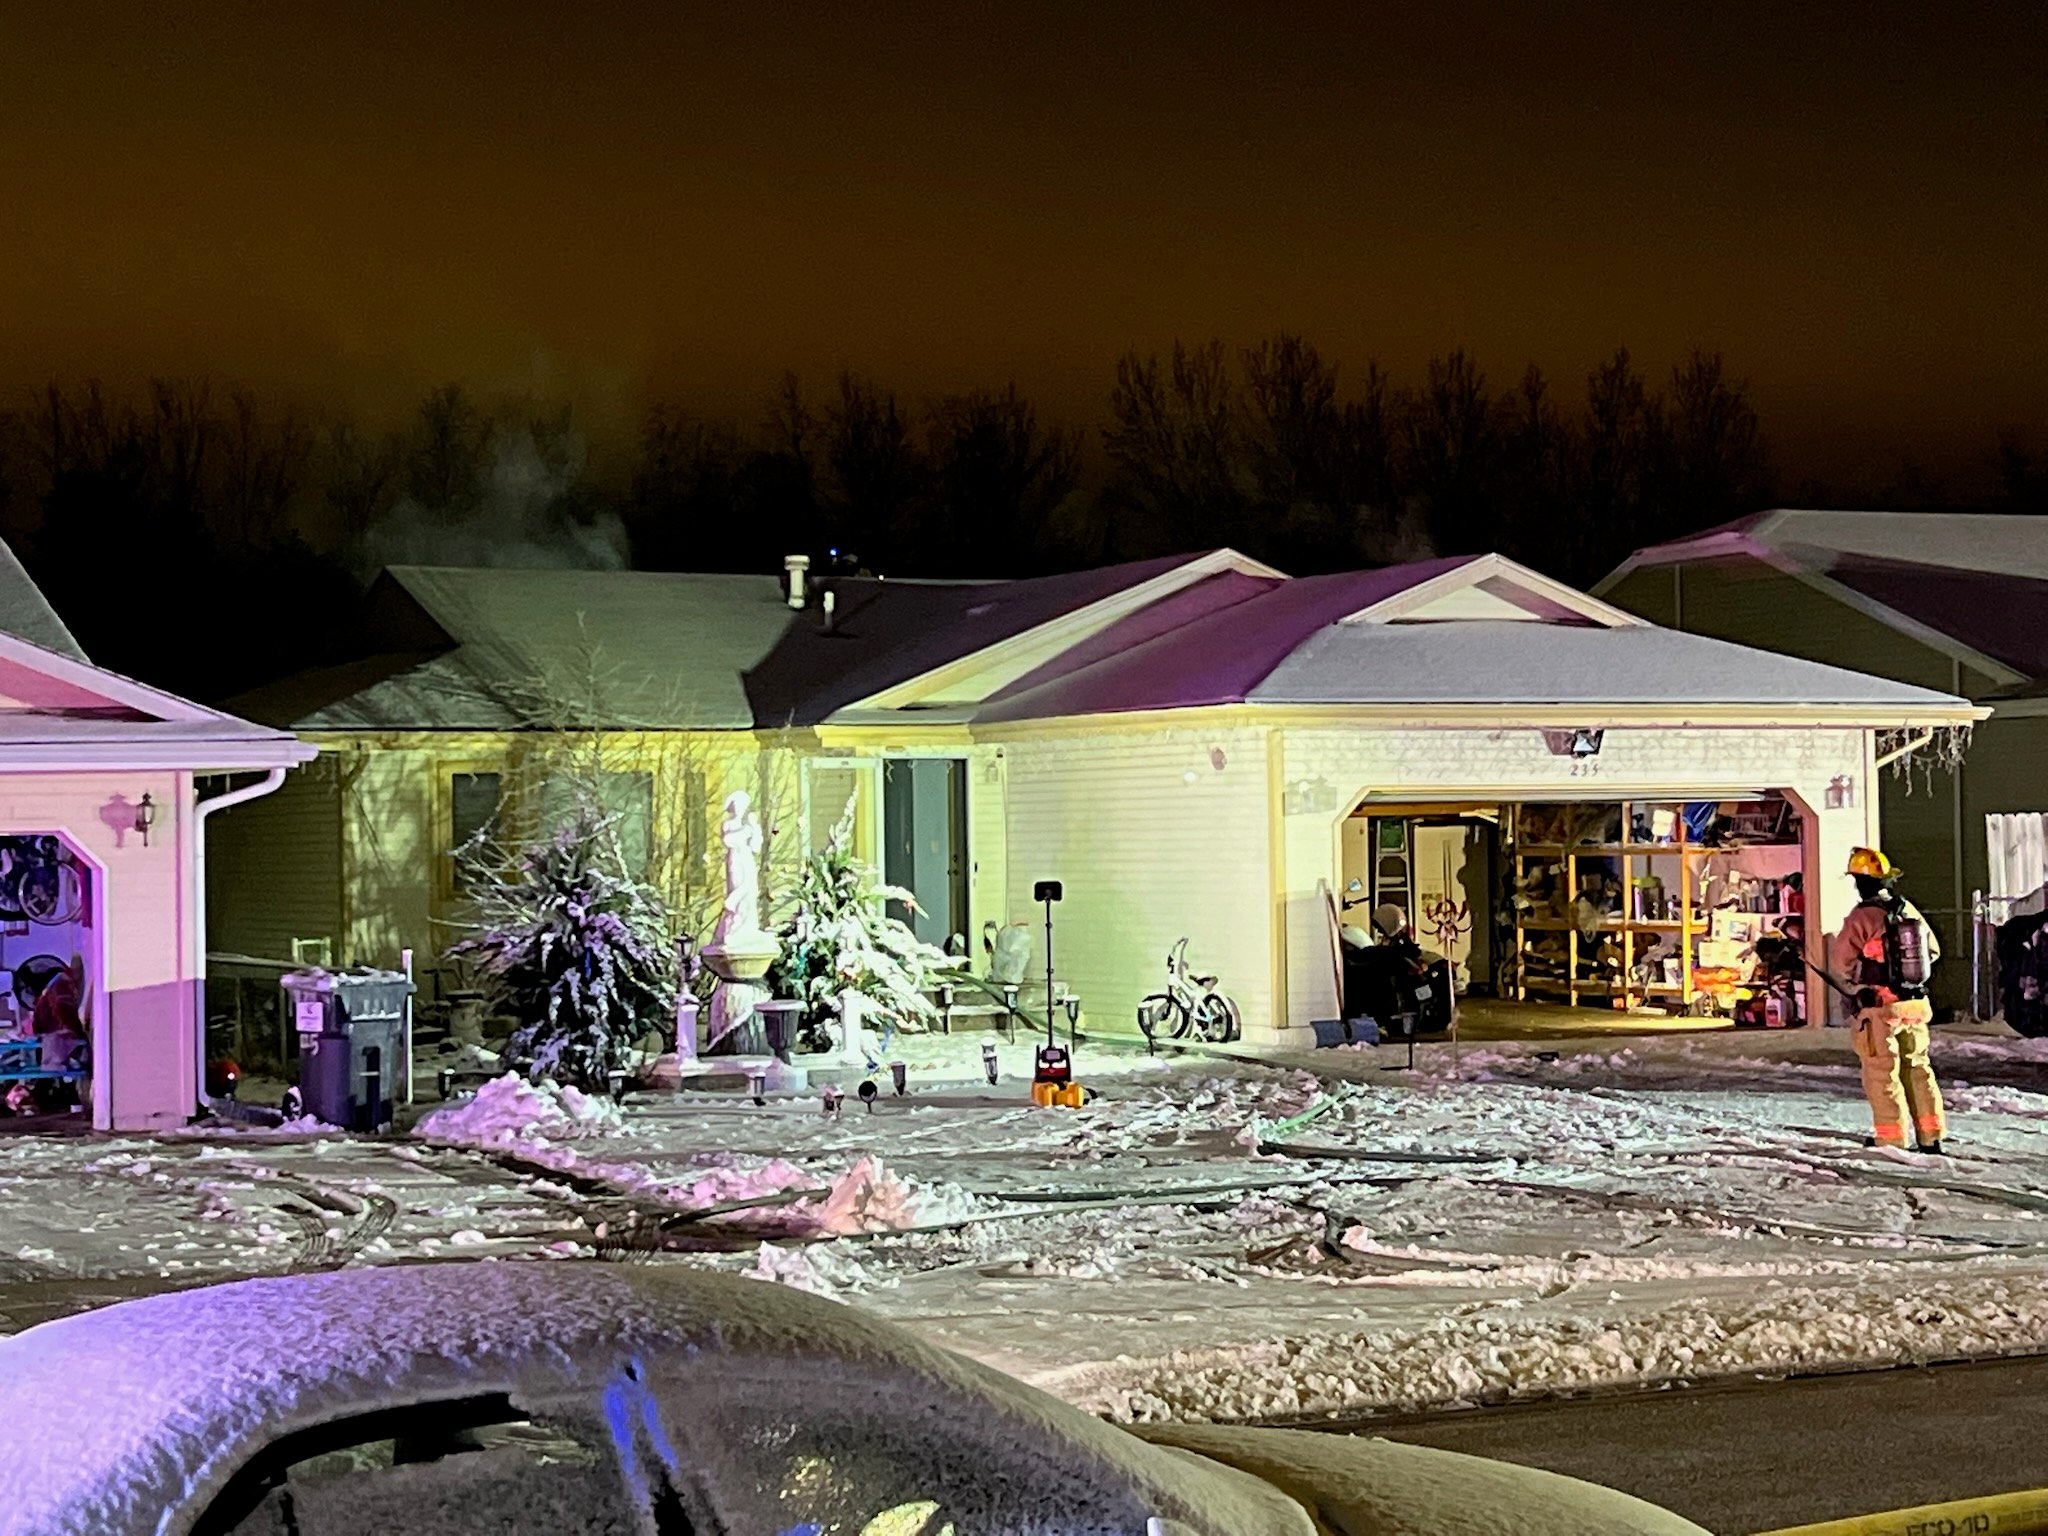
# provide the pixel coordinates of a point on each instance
(1190, 1003)
(40, 881)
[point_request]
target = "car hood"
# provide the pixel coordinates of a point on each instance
(132, 1418)
(1364, 1487)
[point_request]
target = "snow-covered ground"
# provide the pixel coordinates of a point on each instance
(1505, 1225)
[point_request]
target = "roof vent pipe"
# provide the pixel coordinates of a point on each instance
(826, 600)
(793, 568)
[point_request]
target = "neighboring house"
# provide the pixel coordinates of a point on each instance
(110, 769)
(1945, 600)
(1189, 744)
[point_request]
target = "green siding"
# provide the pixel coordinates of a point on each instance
(1943, 853)
(273, 867)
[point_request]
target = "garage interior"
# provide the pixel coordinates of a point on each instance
(1669, 909)
(46, 943)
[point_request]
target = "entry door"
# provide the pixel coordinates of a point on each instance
(924, 841)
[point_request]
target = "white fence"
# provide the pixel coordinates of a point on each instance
(2017, 846)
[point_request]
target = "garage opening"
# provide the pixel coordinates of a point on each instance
(49, 986)
(1668, 907)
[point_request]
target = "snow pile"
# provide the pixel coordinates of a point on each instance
(823, 1271)
(508, 1111)
(1495, 1356)
(866, 1198)
(721, 1185)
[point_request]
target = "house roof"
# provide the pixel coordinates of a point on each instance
(474, 647)
(1355, 640)
(60, 712)
(726, 652)
(27, 614)
(1965, 582)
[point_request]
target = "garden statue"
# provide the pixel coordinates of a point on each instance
(740, 951)
(741, 833)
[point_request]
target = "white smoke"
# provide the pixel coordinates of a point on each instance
(526, 518)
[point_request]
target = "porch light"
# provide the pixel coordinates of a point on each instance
(1582, 741)
(145, 816)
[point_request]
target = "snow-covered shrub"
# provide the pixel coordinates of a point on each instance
(574, 948)
(841, 938)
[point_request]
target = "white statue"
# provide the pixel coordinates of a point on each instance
(741, 831)
(740, 951)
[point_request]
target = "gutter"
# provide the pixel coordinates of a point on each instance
(269, 783)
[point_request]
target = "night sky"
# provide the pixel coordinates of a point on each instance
(613, 203)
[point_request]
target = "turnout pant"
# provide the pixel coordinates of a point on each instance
(1891, 1044)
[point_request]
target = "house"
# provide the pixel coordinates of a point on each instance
(1945, 600)
(108, 790)
(1196, 746)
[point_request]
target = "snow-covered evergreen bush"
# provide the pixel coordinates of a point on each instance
(841, 938)
(573, 946)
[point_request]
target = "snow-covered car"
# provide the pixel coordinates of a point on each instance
(583, 1399)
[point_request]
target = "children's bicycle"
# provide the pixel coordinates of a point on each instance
(1189, 1005)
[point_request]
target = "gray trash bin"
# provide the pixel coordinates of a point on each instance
(351, 1029)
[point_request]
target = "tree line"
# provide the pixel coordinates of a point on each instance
(210, 541)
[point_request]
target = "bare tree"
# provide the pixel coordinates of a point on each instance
(996, 478)
(362, 476)
(262, 467)
(877, 476)
(1175, 446)
(1453, 448)
(444, 468)
(1714, 464)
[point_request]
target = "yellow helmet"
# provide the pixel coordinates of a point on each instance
(1872, 862)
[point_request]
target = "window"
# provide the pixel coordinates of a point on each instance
(464, 1466)
(806, 1446)
(627, 798)
(472, 808)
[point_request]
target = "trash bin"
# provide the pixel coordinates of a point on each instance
(351, 1029)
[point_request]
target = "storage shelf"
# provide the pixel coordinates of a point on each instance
(1686, 927)
(1636, 850)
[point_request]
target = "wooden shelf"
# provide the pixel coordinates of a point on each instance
(1687, 926)
(1630, 850)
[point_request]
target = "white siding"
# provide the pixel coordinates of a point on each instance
(1155, 834)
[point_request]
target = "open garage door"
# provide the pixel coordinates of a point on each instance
(51, 988)
(1656, 907)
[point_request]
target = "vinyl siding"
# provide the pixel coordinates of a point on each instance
(1153, 841)
(392, 855)
(273, 867)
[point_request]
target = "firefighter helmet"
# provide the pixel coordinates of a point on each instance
(1872, 862)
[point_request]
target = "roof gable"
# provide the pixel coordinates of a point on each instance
(1431, 640)
(1491, 587)
(1953, 581)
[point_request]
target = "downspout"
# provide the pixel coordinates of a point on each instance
(270, 781)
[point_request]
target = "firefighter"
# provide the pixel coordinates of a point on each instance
(1884, 952)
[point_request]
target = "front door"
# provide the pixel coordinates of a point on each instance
(924, 842)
